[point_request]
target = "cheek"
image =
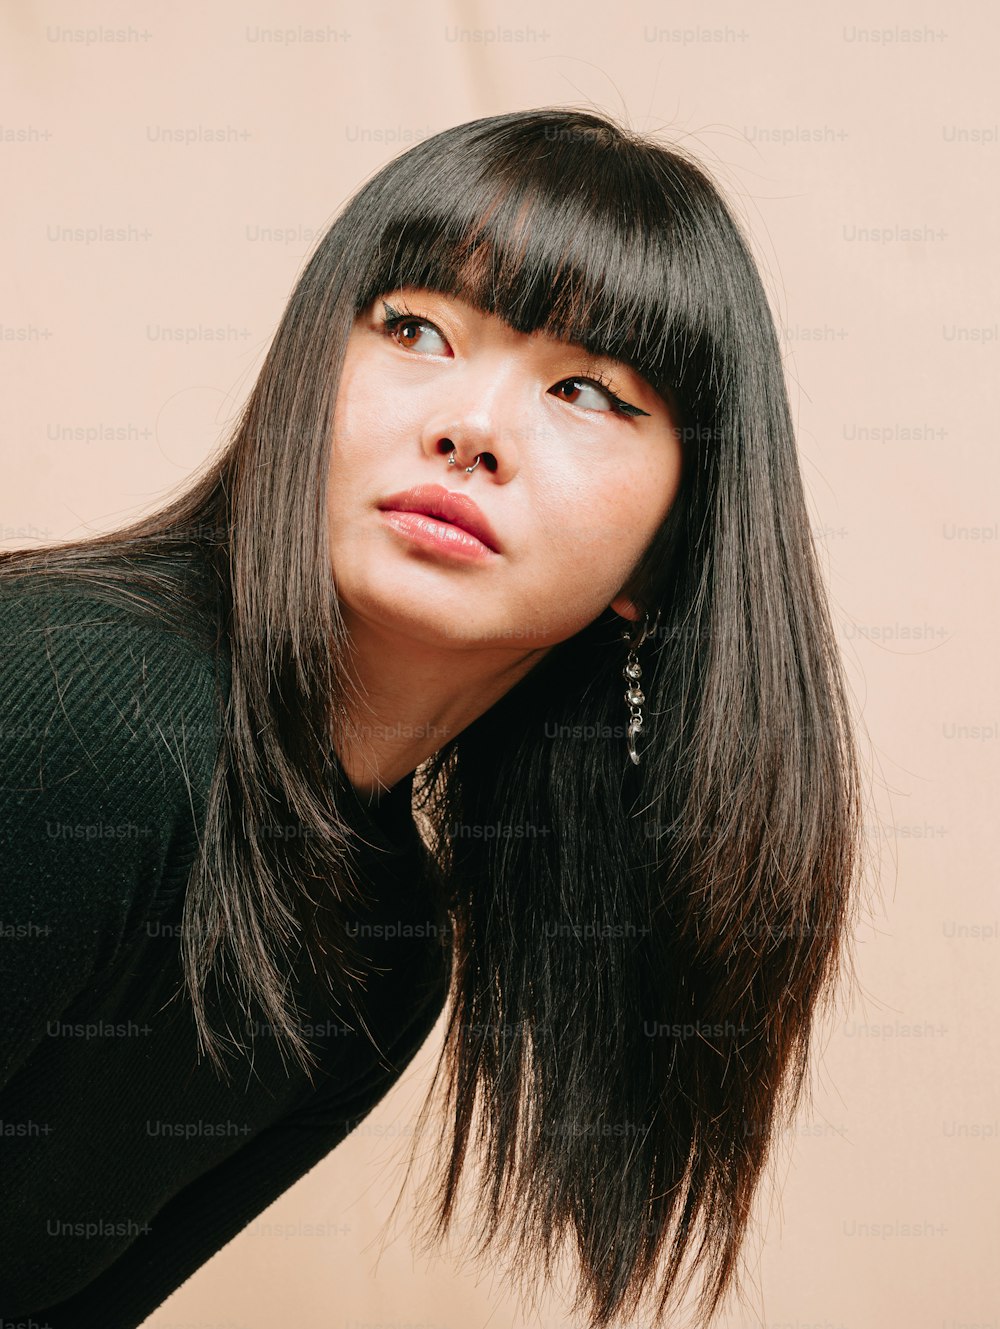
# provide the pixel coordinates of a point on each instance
(350, 417)
(601, 525)
(359, 394)
(370, 417)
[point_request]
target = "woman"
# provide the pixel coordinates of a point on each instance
(512, 524)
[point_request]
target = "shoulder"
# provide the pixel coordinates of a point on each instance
(109, 727)
(110, 724)
(98, 677)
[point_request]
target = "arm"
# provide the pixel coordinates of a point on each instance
(95, 809)
(202, 1219)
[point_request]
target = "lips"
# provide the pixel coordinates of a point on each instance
(445, 505)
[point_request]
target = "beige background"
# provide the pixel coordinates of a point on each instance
(860, 145)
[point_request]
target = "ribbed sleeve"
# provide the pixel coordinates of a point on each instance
(214, 1209)
(125, 1161)
(98, 713)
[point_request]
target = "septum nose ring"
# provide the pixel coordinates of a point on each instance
(468, 469)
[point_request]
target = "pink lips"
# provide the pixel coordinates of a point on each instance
(445, 505)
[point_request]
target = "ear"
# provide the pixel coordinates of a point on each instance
(627, 608)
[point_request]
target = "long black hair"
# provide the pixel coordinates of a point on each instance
(633, 991)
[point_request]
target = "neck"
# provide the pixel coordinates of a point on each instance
(407, 698)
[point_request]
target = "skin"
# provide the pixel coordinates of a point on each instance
(574, 491)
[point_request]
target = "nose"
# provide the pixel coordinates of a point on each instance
(491, 460)
(476, 428)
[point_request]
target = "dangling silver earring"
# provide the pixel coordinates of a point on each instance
(632, 672)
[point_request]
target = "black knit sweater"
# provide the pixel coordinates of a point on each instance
(126, 1161)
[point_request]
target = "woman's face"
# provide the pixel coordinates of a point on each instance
(573, 488)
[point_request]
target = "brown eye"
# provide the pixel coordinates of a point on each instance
(616, 406)
(402, 322)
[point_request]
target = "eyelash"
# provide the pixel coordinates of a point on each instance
(394, 318)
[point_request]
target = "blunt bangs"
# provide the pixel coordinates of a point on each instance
(592, 260)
